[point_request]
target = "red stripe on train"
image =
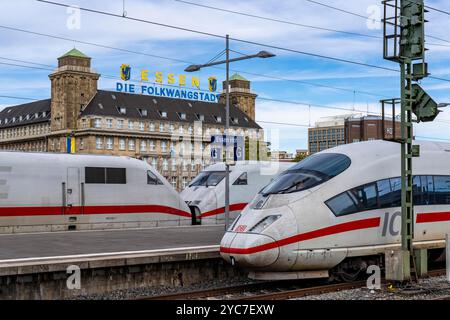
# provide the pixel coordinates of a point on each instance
(121, 209)
(233, 207)
(336, 229)
(432, 217)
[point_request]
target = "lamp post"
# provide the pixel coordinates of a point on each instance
(227, 61)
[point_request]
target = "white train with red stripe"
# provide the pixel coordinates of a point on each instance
(51, 192)
(339, 210)
(205, 195)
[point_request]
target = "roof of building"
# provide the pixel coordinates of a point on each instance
(237, 76)
(108, 103)
(24, 114)
(75, 53)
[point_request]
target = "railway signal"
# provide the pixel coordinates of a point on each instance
(404, 42)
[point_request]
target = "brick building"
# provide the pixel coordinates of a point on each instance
(334, 131)
(171, 134)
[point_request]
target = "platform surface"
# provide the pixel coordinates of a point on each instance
(56, 244)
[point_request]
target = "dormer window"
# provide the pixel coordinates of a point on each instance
(182, 115)
(143, 112)
(113, 97)
(14, 119)
(100, 106)
(44, 114)
(218, 119)
(200, 117)
(36, 115)
(163, 114)
(27, 117)
(234, 120)
(122, 110)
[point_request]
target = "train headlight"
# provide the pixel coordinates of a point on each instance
(264, 223)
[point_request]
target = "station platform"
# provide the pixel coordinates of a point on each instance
(69, 243)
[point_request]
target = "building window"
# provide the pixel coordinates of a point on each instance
(121, 144)
(98, 123)
(161, 127)
(174, 165)
(131, 145)
(173, 182)
(193, 165)
(151, 127)
(200, 117)
(154, 162)
(163, 114)
(171, 128)
(218, 119)
(109, 143)
(81, 143)
(185, 166)
(119, 124)
(130, 125)
(182, 115)
(163, 146)
(184, 182)
(190, 130)
(109, 123)
(181, 130)
(141, 126)
(165, 165)
(152, 145)
(143, 145)
(98, 143)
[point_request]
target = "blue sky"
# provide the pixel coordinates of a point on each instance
(116, 32)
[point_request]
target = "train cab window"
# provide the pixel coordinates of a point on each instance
(342, 205)
(152, 178)
(96, 175)
(208, 179)
(309, 173)
(242, 180)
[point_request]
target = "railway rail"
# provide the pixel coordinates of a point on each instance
(273, 290)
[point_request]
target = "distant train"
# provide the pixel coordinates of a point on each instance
(338, 211)
(205, 195)
(51, 192)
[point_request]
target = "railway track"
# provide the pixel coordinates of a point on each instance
(272, 290)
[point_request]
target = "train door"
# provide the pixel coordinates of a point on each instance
(73, 192)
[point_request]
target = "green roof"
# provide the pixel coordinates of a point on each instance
(237, 76)
(75, 53)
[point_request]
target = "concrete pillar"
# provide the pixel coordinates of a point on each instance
(421, 260)
(397, 264)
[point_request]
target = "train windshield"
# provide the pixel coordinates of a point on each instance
(208, 179)
(308, 173)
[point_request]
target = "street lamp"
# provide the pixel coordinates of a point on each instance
(227, 61)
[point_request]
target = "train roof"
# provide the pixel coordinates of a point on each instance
(367, 151)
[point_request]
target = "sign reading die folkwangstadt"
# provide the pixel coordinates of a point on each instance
(176, 86)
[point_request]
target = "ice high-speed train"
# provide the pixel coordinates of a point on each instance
(50, 192)
(338, 210)
(205, 195)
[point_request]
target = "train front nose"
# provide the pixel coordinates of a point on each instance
(249, 250)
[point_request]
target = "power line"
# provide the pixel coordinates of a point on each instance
(187, 62)
(278, 20)
(234, 39)
(238, 40)
(19, 98)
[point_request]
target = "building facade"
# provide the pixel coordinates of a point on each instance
(334, 131)
(172, 135)
(328, 133)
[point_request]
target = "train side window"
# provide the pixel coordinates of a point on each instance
(342, 205)
(94, 175)
(116, 176)
(242, 180)
(384, 193)
(442, 189)
(396, 187)
(152, 178)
